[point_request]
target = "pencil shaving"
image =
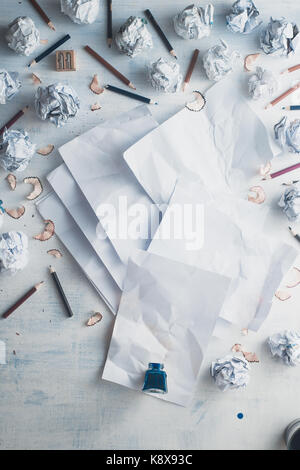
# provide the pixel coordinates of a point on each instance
(282, 295)
(259, 197)
(95, 107)
(95, 87)
(198, 103)
(16, 213)
(47, 233)
(94, 319)
(37, 187)
(250, 357)
(45, 150)
(249, 61)
(12, 181)
(236, 348)
(54, 252)
(296, 279)
(36, 80)
(265, 169)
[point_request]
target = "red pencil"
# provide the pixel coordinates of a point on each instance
(26, 296)
(13, 119)
(282, 172)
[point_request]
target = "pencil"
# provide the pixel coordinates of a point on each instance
(284, 95)
(292, 107)
(295, 234)
(160, 33)
(190, 69)
(42, 14)
(23, 299)
(282, 172)
(109, 67)
(50, 49)
(60, 291)
(109, 23)
(291, 69)
(129, 94)
(14, 119)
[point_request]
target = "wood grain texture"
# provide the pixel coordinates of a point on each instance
(51, 394)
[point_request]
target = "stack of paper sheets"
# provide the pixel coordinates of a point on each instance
(189, 175)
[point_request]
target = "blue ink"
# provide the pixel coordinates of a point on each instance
(155, 379)
(240, 415)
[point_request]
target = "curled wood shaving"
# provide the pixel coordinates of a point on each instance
(43, 41)
(47, 233)
(260, 195)
(37, 187)
(36, 80)
(236, 348)
(45, 150)
(94, 319)
(12, 181)
(249, 61)
(95, 87)
(54, 252)
(95, 107)
(296, 280)
(244, 331)
(250, 357)
(16, 213)
(198, 103)
(282, 295)
(265, 169)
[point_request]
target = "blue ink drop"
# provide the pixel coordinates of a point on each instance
(240, 415)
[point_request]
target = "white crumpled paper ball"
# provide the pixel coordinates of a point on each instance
(16, 150)
(290, 202)
(133, 37)
(194, 22)
(262, 84)
(9, 85)
(165, 76)
(13, 252)
(243, 17)
(80, 11)
(287, 134)
(57, 102)
(219, 61)
(23, 36)
(286, 346)
(230, 372)
(280, 37)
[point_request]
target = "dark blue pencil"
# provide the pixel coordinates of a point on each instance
(292, 107)
(50, 49)
(129, 94)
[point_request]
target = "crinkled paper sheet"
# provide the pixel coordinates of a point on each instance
(167, 314)
(233, 244)
(96, 163)
(50, 207)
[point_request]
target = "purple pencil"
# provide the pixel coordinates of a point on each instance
(282, 172)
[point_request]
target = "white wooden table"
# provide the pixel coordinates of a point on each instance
(51, 394)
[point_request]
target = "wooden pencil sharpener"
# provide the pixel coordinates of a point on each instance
(65, 61)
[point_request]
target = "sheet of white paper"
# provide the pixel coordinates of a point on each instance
(95, 160)
(224, 144)
(226, 238)
(167, 314)
(50, 207)
(73, 199)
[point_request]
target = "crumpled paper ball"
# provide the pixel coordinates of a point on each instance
(133, 37)
(80, 11)
(290, 202)
(57, 102)
(13, 252)
(243, 17)
(230, 372)
(286, 345)
(9, 85)
(165, 76)
(194, 22)
(16, 150)
(287, 134)
(218, 61)
(263, 84)
(23, 36)
(279, 37)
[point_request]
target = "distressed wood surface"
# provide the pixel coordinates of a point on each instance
(51, 394)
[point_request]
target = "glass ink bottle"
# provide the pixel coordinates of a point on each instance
(155, 379)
